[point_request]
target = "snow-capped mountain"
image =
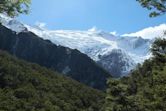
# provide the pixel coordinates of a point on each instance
(117, 54)
(12, 24)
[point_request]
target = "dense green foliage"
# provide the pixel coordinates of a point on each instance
(159, 49)
(29, 87)
(158, 7)
(14, 7)
(145, 88)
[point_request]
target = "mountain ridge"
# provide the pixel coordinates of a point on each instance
(95, 43)
(26, 45)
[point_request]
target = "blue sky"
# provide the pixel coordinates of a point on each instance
(123, 16)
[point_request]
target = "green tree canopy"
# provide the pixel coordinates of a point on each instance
(157, 7)
(14, 7)
(158, 49)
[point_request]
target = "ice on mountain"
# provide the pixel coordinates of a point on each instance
(95, 43)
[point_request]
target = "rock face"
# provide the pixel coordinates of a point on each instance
(73, 63)
(116, 61)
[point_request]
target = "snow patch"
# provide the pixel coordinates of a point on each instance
(149, 33)
(66, 70)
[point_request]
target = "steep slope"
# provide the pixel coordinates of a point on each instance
(95, 43)
(73, 63)
(30, 87)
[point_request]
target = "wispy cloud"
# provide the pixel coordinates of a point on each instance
(114, 33)
(93, 29)
(149, 33)
(40, 24)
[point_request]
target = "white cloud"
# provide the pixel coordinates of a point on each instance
(41, 25)
(114, 33)
(149, 33)
(93, 29)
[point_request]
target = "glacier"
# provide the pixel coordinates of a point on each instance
(117, 54)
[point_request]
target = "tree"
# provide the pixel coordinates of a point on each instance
(159, 49)
(157, 7)
(14, 7)
(117, 98)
